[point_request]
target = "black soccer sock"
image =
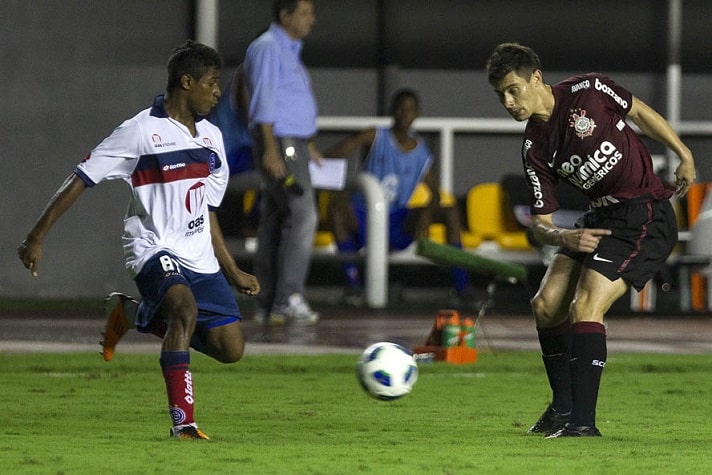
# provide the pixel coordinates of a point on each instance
(588, 358)
(556, 353)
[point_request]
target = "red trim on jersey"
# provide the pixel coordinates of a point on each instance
(156, 175)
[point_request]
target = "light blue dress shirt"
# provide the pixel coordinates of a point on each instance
(279, 85)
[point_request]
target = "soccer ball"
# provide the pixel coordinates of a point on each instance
(387, 371)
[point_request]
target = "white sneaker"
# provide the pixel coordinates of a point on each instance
(297, 312)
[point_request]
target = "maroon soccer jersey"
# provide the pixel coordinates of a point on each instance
(588, 143)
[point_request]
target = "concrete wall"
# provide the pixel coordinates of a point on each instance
(72, 70)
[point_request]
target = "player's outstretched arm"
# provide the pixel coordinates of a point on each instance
(350, 144)
(245, 283)
(30, 250)
(656, 127)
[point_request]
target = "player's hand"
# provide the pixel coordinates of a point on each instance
(583, 240)
(30, 252)
(684, 177)
(246, 283)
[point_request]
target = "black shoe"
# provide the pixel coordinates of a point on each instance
(575, 431)
(549, 422)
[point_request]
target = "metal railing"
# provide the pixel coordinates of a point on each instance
(377, 261)
(376, 282)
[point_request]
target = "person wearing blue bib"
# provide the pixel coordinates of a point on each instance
(401, 161)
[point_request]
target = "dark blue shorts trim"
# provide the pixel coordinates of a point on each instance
(213, 295)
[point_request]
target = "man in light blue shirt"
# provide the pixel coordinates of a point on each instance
(282, 116)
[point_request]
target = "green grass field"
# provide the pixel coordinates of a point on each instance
(75, 414)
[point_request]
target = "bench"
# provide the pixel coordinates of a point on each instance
(485, 200)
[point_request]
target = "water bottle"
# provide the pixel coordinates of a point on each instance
(451, 332)
(468, 332)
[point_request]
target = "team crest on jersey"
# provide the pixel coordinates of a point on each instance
(582, 125)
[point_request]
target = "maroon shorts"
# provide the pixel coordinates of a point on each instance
(644, 235)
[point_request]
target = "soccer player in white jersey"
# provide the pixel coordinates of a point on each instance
(174, 163)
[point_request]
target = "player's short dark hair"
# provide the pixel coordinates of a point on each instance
(400, 95)
(508, 57)
(279, 5)
(191, 58)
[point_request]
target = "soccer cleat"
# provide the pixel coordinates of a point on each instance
(549, 422)
(189, 431)
(575, 431)
(120, 310)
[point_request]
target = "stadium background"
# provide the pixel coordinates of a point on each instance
(73, 70)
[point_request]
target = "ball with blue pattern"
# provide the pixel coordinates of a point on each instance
(387, 371)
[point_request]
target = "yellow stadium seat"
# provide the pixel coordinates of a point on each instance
(490, 218)
(420, 198)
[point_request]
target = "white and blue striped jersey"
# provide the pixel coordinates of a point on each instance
(175, 179)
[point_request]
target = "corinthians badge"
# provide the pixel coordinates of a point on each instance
(581, 124)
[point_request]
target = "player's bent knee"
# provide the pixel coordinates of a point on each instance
(538, 305)
(230, 355)
(230, 358)
(545, 314)
(225, 344)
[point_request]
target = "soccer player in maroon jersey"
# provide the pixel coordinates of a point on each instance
(576, 132)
